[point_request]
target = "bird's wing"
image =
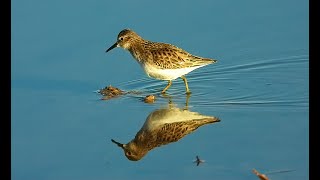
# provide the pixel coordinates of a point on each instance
(172, 132)
(167, 56)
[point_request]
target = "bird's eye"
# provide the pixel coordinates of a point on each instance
(129, 153)
(121, 38)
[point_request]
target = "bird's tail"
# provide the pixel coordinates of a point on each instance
(209, 61)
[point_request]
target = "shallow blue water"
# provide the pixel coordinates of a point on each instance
(61, 129)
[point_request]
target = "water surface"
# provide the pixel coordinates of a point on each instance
(61, 129)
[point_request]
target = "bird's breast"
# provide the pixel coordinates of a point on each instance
(165, 74)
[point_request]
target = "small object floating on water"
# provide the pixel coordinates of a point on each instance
(261, 176)
(198, 160)
(111, 92)
(150, 99)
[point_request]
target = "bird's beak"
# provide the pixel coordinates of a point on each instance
(117, 143)
(110, 48)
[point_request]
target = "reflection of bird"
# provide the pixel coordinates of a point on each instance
(198, 160)
(159, 60)
(161, 127)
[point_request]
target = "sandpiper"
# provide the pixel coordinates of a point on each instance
(164, 126)
(160, 60)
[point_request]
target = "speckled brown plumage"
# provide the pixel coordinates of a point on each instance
(169, 132)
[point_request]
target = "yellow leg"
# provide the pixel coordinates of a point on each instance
(167, 87)
(186, 83)
(187, 102)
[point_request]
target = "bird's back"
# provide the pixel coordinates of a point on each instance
(172, 132)
(168, 56)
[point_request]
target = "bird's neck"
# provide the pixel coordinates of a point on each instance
(137, 50)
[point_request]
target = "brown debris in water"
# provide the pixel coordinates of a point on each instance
(111, 92)
(149, 99)
(261, 176)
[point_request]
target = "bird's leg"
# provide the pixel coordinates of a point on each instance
(186, 83)
(187, 101)
(167, 87)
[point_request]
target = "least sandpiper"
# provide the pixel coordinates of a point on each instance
(160, 60)
(163, 126)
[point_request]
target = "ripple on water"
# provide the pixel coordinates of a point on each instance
(276, 82)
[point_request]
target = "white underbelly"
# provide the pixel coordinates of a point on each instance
(166, 74)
